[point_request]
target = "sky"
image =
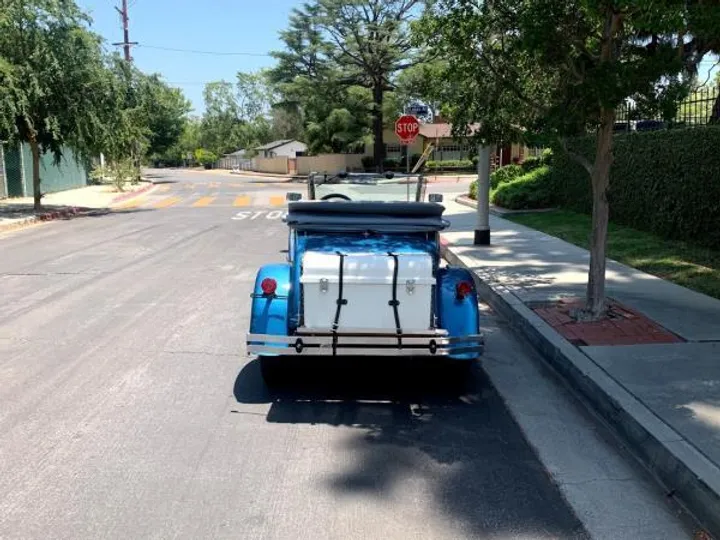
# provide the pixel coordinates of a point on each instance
(229, 26)
(221, 26)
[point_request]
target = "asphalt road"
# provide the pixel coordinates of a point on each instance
(128, 408)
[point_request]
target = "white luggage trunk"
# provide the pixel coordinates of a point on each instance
(368, 289)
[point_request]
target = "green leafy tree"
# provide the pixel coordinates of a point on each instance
(558, 68)
(253, 95)
(166, 115)
(221, 122)
(237, 116)
(287, 122)
(370, 44)
(53, 84)
(340, 61)
(146, 117)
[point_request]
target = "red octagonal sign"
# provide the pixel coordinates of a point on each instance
(407, 128)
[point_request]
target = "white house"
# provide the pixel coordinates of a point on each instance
(282, 148)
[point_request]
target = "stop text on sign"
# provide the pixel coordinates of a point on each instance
(407, 128)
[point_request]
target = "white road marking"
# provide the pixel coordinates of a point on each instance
(253, 215)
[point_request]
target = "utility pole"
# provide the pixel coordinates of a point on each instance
(482, 228)
(126, 43)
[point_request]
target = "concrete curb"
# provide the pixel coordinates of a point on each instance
(683, 471)
(496, 210)
(49, 216)
(123, 197)
(263, 178)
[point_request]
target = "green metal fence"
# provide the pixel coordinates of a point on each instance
(68, 174)
(3, 182)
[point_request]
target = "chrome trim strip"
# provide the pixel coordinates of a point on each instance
(342, 351)
(372, 332)
(349, 345)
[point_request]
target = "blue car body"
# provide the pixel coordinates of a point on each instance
(277, 325)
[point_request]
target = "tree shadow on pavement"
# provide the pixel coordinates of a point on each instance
(416, 419)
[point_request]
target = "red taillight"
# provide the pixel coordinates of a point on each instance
(463, 289)
(268, 286)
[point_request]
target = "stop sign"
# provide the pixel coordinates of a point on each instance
(407, 128)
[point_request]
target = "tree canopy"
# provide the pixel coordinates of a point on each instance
(340, 60)
(558, 68)
(58, 89)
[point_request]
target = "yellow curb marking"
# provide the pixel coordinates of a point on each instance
(243, 200)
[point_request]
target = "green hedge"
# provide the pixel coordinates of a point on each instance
(473, 190)
(531, 163)
(530, 191)
(504, 174)
(663, 182)
(450, 164)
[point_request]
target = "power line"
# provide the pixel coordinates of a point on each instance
(191, 51)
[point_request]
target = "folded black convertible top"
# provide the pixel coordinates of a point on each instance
(363, 216)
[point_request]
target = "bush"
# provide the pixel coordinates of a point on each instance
(473, 190)
(505, 174)
(547, 156)
(449, 164)
(531, 163)
(530, 191)
(206, 158)
(663, 182)
(368, 162)
(390, 164)
(119, 173)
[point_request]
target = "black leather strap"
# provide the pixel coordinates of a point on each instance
(340, 302)
(394, 302)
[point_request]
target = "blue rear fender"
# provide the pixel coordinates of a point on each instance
(271, 314)
(460, 317)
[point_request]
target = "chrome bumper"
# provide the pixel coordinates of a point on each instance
(322, 342)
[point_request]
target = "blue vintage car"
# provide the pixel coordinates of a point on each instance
(363, 277)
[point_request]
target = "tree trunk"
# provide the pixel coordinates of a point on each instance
(600, 177)
(378, 127)
(715, 113)
(37, 196)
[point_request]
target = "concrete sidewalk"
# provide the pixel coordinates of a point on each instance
(663, 400)
(18, 212)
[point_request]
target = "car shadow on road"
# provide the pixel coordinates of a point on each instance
(418, 420)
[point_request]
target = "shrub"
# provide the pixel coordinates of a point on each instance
(531, 164)
(368, 162)
(390, 164)
(505, 174)
(206, 158)
(119, 173)
(473, 190)
(663, 182)
(449, 164)
(547, 156)
(530, 191)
